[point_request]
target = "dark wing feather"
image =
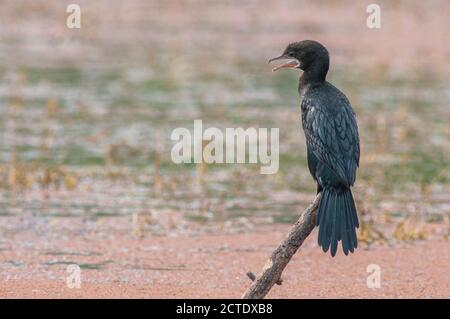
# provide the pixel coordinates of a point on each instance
(331, 132)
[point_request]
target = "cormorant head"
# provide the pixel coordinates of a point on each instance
(305, 55)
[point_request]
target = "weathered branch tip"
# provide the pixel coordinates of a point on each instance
(271, 273)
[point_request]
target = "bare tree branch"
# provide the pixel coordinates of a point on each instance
(271, 273)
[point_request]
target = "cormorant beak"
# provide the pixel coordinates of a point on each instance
(291, 64)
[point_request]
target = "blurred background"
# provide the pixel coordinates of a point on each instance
(86, 116)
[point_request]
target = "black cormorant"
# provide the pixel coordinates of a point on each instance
(332, 143)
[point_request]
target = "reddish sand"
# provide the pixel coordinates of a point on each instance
(214, 266)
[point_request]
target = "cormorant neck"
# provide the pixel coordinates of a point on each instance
(315, 73)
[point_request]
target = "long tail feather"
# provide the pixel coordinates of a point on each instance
(337, 220)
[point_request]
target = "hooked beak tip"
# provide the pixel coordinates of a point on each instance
(291, 64)
(277, 58)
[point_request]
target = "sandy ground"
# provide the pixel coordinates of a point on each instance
(214, 266)
(81, 103)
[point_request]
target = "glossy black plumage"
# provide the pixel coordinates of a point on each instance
(332, 142)
(331, 132)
